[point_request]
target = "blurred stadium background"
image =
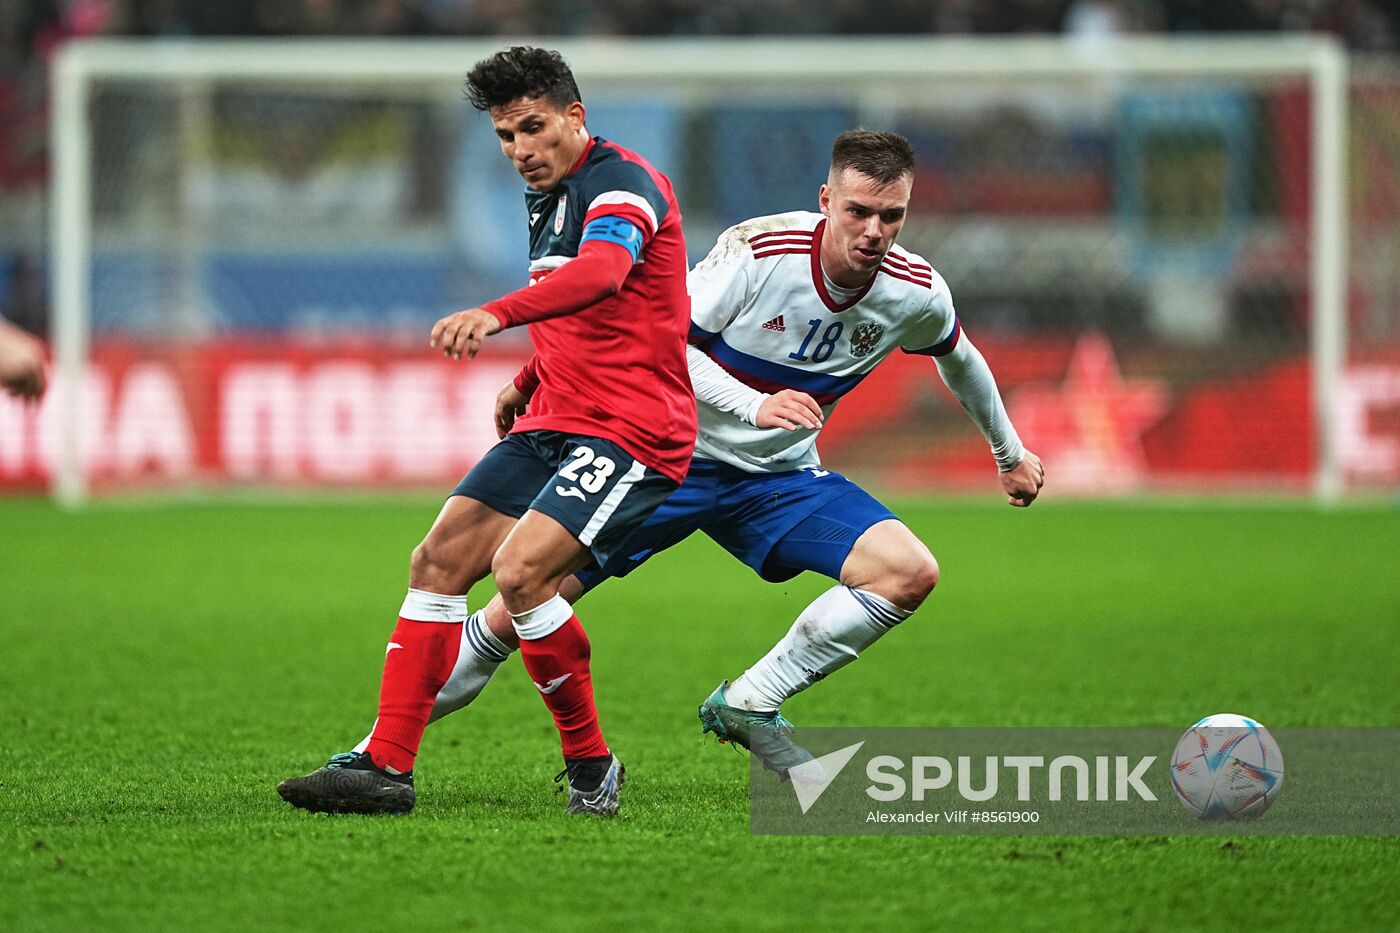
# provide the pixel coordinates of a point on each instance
(1133, 251)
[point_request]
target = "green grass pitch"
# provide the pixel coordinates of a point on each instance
(165, 666)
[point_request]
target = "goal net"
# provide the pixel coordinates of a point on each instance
(1148, 240)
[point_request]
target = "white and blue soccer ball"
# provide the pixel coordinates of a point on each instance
(1227, 767)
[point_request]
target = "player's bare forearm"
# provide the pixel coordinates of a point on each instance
(510, 404)
(1022, 483)
(463, 332)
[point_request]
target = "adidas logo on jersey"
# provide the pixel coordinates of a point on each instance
(775, 324)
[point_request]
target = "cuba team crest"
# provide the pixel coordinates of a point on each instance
(865, 336)
(559, 215)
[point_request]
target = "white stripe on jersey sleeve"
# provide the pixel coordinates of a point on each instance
(548, 263)
(625, 197)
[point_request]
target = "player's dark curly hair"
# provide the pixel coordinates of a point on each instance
(521, 71)
(884, 157)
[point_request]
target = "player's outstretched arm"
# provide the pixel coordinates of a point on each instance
(596, 273)
(21, 362)
(966, 373)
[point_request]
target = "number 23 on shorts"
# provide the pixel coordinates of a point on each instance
(582, 458)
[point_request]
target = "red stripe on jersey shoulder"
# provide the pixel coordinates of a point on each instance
(909, 264)
(773, 238)
(770, 234)
(781, 251)
(904, 276)
(781, 241)
(891, 261)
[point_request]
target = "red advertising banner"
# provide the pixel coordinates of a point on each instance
(267, 414)
(361, 416)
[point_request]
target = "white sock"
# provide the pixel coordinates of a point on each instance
(828, 635)
(544, 620)
(478, 658)
(422, 606)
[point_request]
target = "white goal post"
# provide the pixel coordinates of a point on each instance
(886, 74)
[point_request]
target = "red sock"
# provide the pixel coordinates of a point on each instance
(558, 664)
(418, 661)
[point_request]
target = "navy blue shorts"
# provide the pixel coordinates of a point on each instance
(779, 524)
(589, 485)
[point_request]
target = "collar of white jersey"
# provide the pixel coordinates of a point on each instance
(819, 280)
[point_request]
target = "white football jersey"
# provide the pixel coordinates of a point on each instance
(760, 308)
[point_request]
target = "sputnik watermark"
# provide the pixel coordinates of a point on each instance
(811, 778)
(1113, 778)
(933, 773)
(1075, 781)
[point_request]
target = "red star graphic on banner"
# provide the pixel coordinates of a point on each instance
(1088, 430)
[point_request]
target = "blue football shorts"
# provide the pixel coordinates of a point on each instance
(779, 524)
(591, 486)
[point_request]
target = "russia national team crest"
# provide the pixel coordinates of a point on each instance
(865, 336)
(559, 215)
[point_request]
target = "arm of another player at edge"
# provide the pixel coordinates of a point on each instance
(596, 273)
(21, 362)
(966, 374)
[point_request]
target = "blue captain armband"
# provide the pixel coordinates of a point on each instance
(617, 230)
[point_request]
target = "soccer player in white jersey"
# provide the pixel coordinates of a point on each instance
(788, 313)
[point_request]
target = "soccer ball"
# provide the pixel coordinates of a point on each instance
(1227, 767)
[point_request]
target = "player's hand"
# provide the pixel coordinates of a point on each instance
(1022, 483)
(789, 409)
(464, 332)
(510, 404)
(21, 363)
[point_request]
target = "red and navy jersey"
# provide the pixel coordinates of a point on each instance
(616, 369)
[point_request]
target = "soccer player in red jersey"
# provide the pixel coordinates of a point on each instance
(608, 435)
(789, 312)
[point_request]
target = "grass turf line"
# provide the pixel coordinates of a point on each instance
(166, 666)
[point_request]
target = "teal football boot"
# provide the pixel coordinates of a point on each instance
(765, 734)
